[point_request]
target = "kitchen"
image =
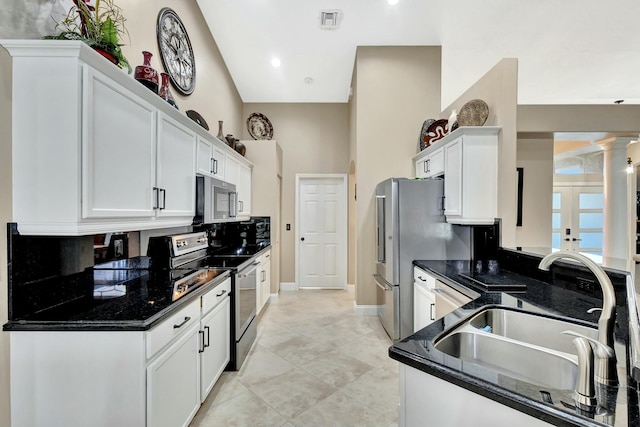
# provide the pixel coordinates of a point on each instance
(322, 148)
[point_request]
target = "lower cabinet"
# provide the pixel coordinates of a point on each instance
(173, 383)
(215, 352)
(264, 281)
(153, 378)
(426, 400)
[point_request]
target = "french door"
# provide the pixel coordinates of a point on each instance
(577, 219)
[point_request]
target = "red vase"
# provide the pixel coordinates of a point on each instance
(165, 93)
(146, 75)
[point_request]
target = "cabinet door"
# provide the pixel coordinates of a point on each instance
(173, 383)
(421, 168)
(118, 150)
(176, 168)
(266, 281)
(244, 190)
(210, 159)
(453, 178)
(205, 164)
(215, 353)
(424, 304)
(232, 168)
(436, 163)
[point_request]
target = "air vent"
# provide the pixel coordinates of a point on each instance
(330, 19)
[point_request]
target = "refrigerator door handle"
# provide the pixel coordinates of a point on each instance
(380, 218)
(443, 205)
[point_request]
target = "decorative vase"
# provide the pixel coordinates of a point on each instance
(240, 148)
(220, 134)
(165, 93)
(147, 75)
(231, 141)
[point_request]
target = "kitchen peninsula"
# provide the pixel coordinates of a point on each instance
(468, 393)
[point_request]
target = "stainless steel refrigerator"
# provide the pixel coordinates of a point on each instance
(410, 225)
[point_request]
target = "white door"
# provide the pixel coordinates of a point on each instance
(578, 219)
(322, 231)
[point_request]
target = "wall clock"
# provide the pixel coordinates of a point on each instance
(175, 51)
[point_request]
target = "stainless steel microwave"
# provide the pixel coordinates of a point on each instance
(216, 201)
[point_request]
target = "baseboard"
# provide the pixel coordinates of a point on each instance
(288, 286)
(273, 298)
(351, 288)
(366, 310)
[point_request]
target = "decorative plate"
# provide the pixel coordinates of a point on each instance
(436, 131)
(259, 126)
(196, 117)
(423, 133)
(473, 113)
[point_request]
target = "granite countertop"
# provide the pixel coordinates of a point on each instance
(418, 351)
(109, 300)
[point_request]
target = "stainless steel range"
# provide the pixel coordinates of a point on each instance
(189, 252)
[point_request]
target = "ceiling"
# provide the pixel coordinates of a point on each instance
(569, 51)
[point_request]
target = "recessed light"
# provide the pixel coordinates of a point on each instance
(275, 62)
(308, 80)
(393, 2)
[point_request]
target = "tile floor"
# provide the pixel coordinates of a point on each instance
(314, 363)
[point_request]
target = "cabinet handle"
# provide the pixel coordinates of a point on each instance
(264, 276)
(186, 319)
(207, 344)
(202, 346)
(156, 195)
(431, 306)
(224, 291)
(213, 166)
(425, 166)
(164, 198)
(576, 240)
(428, 164)
(422, 278)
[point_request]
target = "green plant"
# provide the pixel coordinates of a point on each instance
(101, 27)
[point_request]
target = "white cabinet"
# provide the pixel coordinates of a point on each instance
(160, 375)
(264, 281)
(118, 166)
(239, 173)
(95, 151)
(176, 169)
(215, 327)
(211, 159)
(426, 400)
(173, 383)
(471, 176)
(430, 163)
(424, 300)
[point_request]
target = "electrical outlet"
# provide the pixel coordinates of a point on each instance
(585, 284)
(288, 227)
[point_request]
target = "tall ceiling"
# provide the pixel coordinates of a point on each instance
(569, 51)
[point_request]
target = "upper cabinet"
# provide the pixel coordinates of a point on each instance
(239, 174)
(95, 151)
(467, 159)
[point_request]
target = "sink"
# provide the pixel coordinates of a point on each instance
(513, 359)
(531, 328)
(520, 345)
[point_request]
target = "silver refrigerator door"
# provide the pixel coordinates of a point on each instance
(388, 310)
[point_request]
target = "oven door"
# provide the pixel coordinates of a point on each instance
(245, 289)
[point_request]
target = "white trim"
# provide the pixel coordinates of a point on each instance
(273, 298)
(351, 288)
(366, 310)
(289, 286)
(345, 216)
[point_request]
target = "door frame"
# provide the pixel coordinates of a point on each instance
(343, 217)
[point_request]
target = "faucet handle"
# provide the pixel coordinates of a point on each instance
(602, 351)
(594, 309)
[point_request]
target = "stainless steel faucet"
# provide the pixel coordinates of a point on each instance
(606, 372)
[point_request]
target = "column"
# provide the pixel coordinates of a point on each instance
(616, 229)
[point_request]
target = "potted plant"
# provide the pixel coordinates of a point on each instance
(100, 26)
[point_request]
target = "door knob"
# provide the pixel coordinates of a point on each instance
(302, 238)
